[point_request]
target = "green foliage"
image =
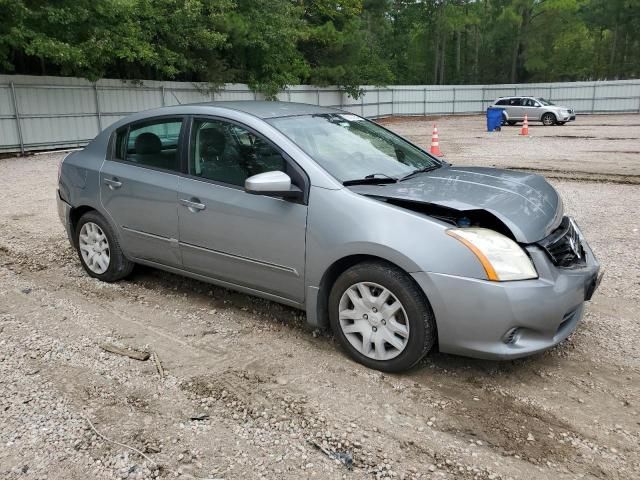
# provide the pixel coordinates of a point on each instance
(270, 44)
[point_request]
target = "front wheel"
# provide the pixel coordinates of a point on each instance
(381, 317)
(548, 119)
(99, 250)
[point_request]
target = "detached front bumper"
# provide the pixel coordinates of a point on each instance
(506, 320)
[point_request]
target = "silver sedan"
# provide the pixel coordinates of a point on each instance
(395, 250)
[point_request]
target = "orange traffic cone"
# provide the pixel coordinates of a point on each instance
(435, 144)
(525, 126)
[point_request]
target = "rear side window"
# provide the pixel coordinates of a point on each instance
(502, 102)
(515, 102)
(150, 144)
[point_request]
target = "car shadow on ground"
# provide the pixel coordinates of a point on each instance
(209, 296)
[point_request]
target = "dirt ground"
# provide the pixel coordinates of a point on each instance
(249, 392)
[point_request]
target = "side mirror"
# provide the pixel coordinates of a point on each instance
(272, 184)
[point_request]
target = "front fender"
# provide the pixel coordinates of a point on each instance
(342, 223)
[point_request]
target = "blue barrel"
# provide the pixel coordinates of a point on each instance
(494, 118)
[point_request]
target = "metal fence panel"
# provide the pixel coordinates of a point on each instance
(38, 113)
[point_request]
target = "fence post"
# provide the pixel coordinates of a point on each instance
(288, 95)
(378, 100)
(392, 100)
(550, 92)
(424, 101)
(483, 100)
(454, 101)
(593, 99)
(162, 96)
(318, 96)
(98, 112)
(17, 114)
(362, 104)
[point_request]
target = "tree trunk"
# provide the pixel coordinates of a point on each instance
(476, 57)
(514, 55)
(458, 54)
(436, 59)
(442, 58)
(612, 57)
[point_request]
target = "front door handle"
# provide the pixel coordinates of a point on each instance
(193, 204)
(113, 183)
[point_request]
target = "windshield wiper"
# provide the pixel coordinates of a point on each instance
(371, 179)
(420, 170)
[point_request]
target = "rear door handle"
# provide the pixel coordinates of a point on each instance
(193, 205)
(113, 183)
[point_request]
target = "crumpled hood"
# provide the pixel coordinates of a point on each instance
(524, 202)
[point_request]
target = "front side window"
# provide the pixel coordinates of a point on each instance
(150, 144)
(227, 153)
(350, 147)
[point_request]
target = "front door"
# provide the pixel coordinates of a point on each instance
(514, 109)
(253, 241)
(139, 189)
(532, 108)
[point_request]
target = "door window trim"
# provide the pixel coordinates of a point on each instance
(287, 158)
(184, 119)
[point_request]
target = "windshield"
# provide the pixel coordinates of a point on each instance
(544, 102)
(350, 147)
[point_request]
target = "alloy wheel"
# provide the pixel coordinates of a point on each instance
(94, 248)
(374, 321)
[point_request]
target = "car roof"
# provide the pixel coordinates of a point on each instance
(517, 96)
(266, 109)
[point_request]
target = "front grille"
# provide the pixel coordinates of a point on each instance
(564, 245)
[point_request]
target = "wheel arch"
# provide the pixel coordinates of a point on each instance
(318, 311)
(549, 112)
(76, 214)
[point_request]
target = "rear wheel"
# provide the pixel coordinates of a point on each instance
(99, 250)
(548, 119)
(381, 317)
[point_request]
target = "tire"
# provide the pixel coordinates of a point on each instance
(548, 119)
(98, 249)
(511, 122)
(411, 328)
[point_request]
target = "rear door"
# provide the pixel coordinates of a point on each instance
(138, 188)
(253, 241)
